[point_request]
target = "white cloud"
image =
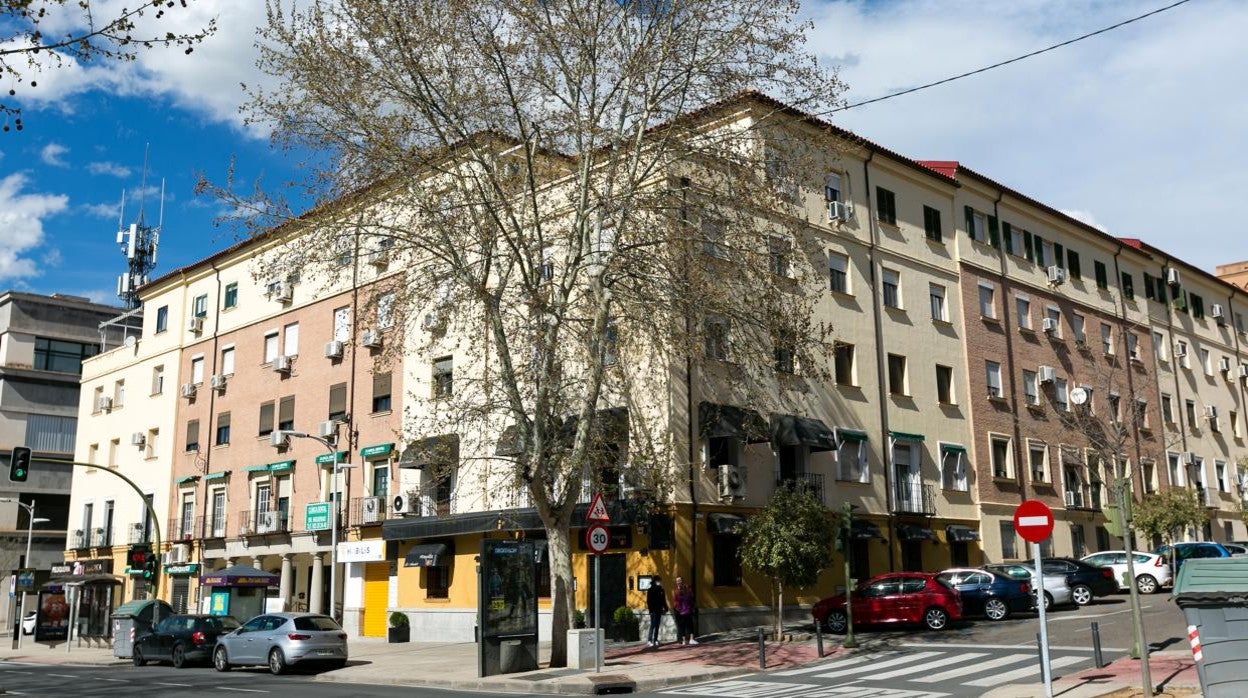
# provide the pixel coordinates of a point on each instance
(107, 211)
(1085, 217)
(21, 218)
(111, 169)
(52, 155)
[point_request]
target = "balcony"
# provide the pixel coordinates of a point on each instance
(804, 482)
(262, 522)
(367, 511)
(913, 498)
(138, 534)
(181, 529)
(1207, 497)
(79, 539)
(212, 526)
(101, 537)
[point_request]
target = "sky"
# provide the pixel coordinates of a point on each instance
(1139, 131)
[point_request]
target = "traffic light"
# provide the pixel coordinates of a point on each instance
(151, 568)
(19, 464)
(136, 559)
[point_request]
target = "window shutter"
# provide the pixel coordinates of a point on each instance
(1037, 244)
(338, 399)
(1161, 290)
(1148, 288)
(192, 431)
(381, 384)
(1059, 256)
(1072, 260)
(1128, 285)
(286, 410)
(223, 420)
(266, 417)
(1027, 246)
(993, 235)
(970, 222)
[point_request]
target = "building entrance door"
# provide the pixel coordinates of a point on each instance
(614, 587)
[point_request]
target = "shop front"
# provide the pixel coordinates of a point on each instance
(80, 595)
(238, 591)
(178, 578)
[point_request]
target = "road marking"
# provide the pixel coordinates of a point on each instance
(1092, 615)
(975, 669)
(64, 676)
(179, 685)
(244, 690)
(968, 646)
(101, 678)
(827, 665)
(743, 689)
(903, 659)
(944, 660)
(14, 671)
(1001, 679)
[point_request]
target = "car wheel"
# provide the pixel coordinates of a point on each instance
(836, 622)
(179, 657)
(936, 619)
(995, 609)
(1048, 601)
(137, 657)
(277, 662)
(1147, 584)
(220, 660)
(1081, 594)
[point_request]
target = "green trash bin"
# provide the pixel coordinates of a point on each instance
(1213, 593)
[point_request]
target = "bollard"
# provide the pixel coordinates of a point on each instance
(1097, 657)
(762, 650)
(819, 639)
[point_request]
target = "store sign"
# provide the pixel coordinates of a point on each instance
(81, 567)
(378, 451)
(362, 551)
(188, 568)
(25, 580)
(328, 458)
(316, 517)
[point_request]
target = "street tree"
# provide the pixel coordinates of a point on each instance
(1169, 513)
(577, 201)
(37, 36)
(790, 541)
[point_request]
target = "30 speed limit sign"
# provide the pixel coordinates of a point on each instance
(597, 539)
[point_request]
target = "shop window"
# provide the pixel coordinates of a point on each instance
(438, 582)
(726, 560)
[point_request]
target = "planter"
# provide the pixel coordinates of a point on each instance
(402, 634)
(626, 632)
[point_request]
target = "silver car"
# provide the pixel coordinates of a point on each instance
(282, 640)
(1056, 588)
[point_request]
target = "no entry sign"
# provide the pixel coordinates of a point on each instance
(1033, 520)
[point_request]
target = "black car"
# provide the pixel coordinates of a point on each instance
(984, 593)
(1086, 581)
(182, 639)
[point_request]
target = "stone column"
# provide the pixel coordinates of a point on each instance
(286, 580)
(229, 562)
(318, 583)
(258, 562)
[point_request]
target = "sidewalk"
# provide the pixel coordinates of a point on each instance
(1172, 670)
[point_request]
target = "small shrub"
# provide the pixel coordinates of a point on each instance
(398, 620)
(624, 616)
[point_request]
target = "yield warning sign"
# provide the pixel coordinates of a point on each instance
(1033, 520)
(598, 510)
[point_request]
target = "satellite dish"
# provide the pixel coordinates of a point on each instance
(131, 341)
(1078, 396)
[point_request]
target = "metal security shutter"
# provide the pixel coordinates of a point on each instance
(180, 594)
(376, 599)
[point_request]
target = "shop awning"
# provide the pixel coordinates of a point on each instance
(610, 426)
(435, 449)
(791, 430)
(843, 435)
(725, 524)
(961, 534)
(905, 436)
(217, 476)
(914, 532)
(256, 469)
(328, 458)
(376, 451)
(525, 519)
(951, 448)
(184, 480)
(729, 421)
(428, 555)
(281, 466)
(865, 530)
(239, 576)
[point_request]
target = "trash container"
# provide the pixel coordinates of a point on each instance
(1213, 593)
(133, 619)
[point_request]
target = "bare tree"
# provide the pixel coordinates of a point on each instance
(582, 197)
(42, 35)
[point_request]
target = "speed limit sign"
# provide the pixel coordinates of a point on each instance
(597, 539)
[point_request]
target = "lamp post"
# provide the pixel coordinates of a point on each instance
(30, 533)
(332, 449)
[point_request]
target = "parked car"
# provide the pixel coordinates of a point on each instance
(282, 640)
(28, 623)
(989, 594)
(181, 639)
(1152, 572)
(1086, 581)
(1187, 551)
(1056, 589)
(899, 597)
(1236, 550)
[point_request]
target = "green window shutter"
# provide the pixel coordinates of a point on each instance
(1005, 234)
(1027, 248)
(970, 223)
(1161, 290)
(1072, 260)
(1102, 276)
(1128, 285)
(1148, 288)
(1038, 243)
(994, 234)
(1198, 307)
(1059, 256)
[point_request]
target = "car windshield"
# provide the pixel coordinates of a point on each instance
(316, 623)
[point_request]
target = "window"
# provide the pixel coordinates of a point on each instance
(93, 454)
(381, 480)
(218, 513)
(1206, 361)
(290, 337)
(832, 188)
(1031, 390)
(1038, 460)
(1233, 418)
(1054, 316)
(777, 173)
(231, 295)
(119, 394)
(1072, 264)
(714, 230)
(385, 311)
(337, 402)
(944, 385)
(1044, 251)
(1016, 240)
(939, 309)
(953, 467)
(266, 417)
(1142, 421)
(931, 223)
(778, 252)
(999, 448)
(342, 324)
(726, 560)
(1107, 339)
(192, 435)
(1174, 469)
(381, 391)
(987, 306)
(976, 225)
(1198, 307)
(223, 429)
(62, 357)
(1022, 306)
(1060, 395)
(1191, 414)
(1115, 407)
(95, 400)
(716, 338)
(1149, 473)
(1008, 541)
(851, 458)
(1219, 471)
(897, 375)
(158, 380)
(1180, 351)
(270, 347)
(197, 370)
(1076, 328)
(992, 370)
(286, 413)
(150, 443)
(437, 582)
(199, 306)
(1102, 275)
(892, 289)
(838, 272)
(1159, 346)
(783, 350)
(162, 319)
(885, 206)
(443, 377)
(227, 361)
(113, 447)
(843, 355)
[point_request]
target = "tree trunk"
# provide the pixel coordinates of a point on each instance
(562, 600)
(779, 609)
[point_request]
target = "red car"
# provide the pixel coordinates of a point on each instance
(916, 598)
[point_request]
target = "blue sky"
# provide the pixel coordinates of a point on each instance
(1139, 131)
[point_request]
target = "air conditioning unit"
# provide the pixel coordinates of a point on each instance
(1190, 458)
(281, 364)
(104, 404)
(1243, 370)
(405, 504)
(371, 338)
(195, 324)
(731, 481)
(1224, 364)
(188, 390)
(218, 381)
(1180, 351)
(1211, 412)
(283, 293)
(177, 554)
(431, 320)
(278, 439)
(371, 509)
(839, 211)
(138, 439)
(1057, 275)
(379, 257)
(1047, 374)
(1215, 311)
(333, 349)
(268, 521)
(1172, 277)
(1048, 325)
(328, 429)
(1074, 499)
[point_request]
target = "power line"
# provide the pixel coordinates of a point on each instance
(1012, 60)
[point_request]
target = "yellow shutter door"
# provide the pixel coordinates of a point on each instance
(376, 598)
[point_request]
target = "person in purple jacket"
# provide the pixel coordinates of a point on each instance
(682, 608)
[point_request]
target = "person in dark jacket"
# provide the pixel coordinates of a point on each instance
(656, 603)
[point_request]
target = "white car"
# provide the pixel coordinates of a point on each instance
(1152, 572)
(28, 624)
(1056, 588)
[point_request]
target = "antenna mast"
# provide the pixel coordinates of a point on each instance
(138, 243)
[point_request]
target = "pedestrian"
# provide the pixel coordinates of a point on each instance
(656, 603)
(682, 607)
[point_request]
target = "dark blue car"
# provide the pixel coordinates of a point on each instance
(987, 594)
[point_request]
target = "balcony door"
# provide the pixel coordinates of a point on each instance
(906, 475)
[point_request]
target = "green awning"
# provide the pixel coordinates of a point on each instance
(217, 476)
(328, 458)
(843, 435)
(377, 451)
(952, 448)
(903, 436)
(281, 466)
(184, 480)
(256, 469)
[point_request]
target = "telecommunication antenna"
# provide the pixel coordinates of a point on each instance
(138, 243)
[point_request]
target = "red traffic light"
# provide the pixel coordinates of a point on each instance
(137, 557)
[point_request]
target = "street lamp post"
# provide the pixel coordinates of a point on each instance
(30, 534)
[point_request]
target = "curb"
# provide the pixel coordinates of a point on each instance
(583, 684)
